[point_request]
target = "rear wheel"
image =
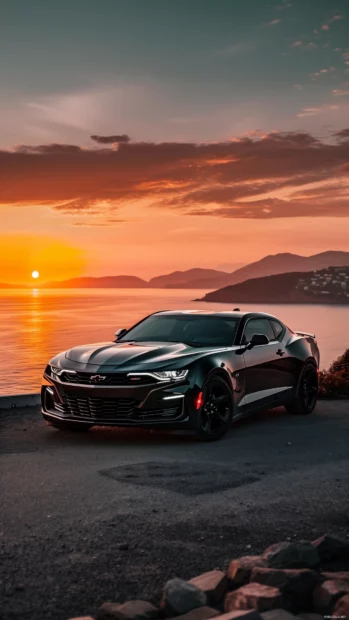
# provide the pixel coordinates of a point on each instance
(216, 412)
(307, 392)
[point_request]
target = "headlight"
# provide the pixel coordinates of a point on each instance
(55, 371)
(176, 375)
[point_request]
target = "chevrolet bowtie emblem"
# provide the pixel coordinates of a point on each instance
(97, 378)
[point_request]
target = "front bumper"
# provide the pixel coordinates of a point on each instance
(152, 405)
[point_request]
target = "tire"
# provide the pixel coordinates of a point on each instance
(215, 415)
(71, 427)
(307, 392)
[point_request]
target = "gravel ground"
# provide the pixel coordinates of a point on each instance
(112, 514)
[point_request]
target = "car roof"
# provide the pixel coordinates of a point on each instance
(238, 314)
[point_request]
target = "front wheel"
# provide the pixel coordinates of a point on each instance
(307, 392)
(216, 411)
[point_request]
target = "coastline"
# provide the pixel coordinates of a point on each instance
(309, 302)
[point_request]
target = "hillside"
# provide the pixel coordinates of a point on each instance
(287, 263)
(189, 279)
(267, 266)
(326, 286)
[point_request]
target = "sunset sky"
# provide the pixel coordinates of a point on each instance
(144, 136)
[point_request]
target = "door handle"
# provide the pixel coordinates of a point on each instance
(280, 352)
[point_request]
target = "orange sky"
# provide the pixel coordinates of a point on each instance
(124, 151)
(145, 208)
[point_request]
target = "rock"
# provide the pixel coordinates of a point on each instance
(200, 613)
(296, 585)
(331, 547)
(239, 570)
(253, 596)
(300, 554)
(339, 576)
(132, 610)
(327, 594)
(244, 614)
(341, 609)
(180, 596)
(214, 584)
(278, 614)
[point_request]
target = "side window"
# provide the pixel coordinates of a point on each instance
(278, 328)
(257, 326)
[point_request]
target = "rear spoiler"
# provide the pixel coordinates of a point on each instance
(305, 334)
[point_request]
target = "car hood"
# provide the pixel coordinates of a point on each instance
(129, 354)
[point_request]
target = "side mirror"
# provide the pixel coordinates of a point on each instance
(258, 340)
(119, 333)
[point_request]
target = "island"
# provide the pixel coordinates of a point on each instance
(325, 286)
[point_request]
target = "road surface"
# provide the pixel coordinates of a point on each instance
(112, 514)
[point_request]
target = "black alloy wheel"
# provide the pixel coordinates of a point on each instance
(307, 393)
(216, 412)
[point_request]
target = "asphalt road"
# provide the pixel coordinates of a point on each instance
(71, 503)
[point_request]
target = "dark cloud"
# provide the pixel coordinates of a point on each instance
(111, 139)
(48, 149)
(224, 179)
(343, 134)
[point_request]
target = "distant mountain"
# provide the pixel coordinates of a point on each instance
(104, 282)
(286, 263)
(267, 266)
(210, 279)
(4, 285)
(326, 286)
(192, 278)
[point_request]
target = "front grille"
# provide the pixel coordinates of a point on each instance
(119, 378)
(113, 410)
(99, 408)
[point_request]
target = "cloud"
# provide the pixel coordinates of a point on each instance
(321, 72)
(274, 22)
(111, 139)
(307, 46)
(330, 21)
(318, 110)
(255, 176)
(340, 92)
(342, 134)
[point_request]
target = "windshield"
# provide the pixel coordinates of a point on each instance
(191, 330)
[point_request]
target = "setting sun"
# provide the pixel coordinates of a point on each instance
(34, 256)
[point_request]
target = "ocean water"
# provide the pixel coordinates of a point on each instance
(37, 324)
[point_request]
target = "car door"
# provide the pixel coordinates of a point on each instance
(266, 375)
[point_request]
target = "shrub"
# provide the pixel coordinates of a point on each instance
(334, 382)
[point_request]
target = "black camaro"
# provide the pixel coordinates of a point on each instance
(184, 369)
